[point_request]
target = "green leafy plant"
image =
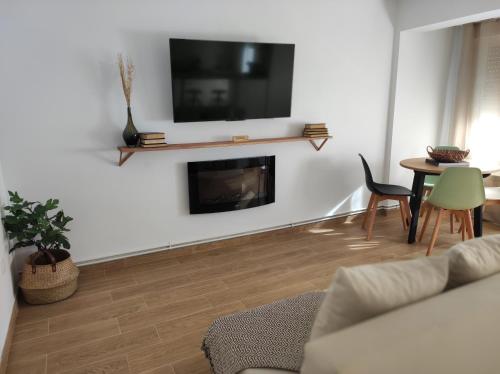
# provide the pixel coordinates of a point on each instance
(35, 224)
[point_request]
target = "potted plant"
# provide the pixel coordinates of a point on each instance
(49, 274)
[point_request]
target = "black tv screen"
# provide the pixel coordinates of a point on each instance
(214, 80)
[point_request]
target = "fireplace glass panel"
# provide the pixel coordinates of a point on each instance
(218, 186)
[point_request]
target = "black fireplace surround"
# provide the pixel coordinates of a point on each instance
(224, 185)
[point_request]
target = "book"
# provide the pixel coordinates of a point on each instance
(153, 141)
(152, 135)
(315, 126)
(153, 145)
(447, 164)
(316, 132)
(315, 136)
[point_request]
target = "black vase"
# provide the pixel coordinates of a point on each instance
(130, 134)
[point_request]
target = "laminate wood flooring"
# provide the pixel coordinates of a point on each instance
(148, 314)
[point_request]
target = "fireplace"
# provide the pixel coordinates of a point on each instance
(224, 185)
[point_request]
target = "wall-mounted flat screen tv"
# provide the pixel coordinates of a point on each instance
(215, 80)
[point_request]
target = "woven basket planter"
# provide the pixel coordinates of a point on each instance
(447, 155)
(48, 283)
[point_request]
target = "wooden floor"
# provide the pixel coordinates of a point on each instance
(147, 314)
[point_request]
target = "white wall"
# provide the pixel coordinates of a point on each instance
(444, 13)
(7, 292)
(423, 64)
(64, 112)
(422, 75)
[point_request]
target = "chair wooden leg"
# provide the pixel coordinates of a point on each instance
(435, 232)
(426, 222)
(462, 227)
(408, 211)
(452, 229)
(371, 219)
(468, 225)
(426, 192)
(403, 214)
(368, 210)
(423, 208)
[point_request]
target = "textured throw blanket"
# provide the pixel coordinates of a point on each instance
(269, 336)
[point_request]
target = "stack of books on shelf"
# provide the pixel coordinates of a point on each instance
(315, 130)
(152, 139)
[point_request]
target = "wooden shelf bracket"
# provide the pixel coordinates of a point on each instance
(318, 147)
(124, 156)
(127, 152)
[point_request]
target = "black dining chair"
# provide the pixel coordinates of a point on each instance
(381, 192)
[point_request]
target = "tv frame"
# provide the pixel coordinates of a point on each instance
(289, 112)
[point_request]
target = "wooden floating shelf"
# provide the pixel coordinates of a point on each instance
(127, 152)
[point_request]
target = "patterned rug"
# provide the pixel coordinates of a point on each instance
(269, 336)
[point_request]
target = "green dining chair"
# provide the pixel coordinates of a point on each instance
(458, 191)
(431, 180)
(429, 183)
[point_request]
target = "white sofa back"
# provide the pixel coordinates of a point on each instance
(454, 332)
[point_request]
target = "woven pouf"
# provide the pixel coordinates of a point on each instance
(45, 284)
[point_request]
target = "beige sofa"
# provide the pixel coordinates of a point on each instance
(457, 332)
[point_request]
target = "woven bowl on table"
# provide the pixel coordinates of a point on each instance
(447, 155)
(44, 284)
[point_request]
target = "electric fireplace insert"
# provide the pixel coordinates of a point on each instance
(224, 185)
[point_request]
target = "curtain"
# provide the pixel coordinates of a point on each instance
(476, 120)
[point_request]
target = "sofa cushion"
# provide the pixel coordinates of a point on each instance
(473, 260)
(361, 292)
(454, 332)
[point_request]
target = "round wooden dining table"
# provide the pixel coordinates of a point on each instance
(421, 168)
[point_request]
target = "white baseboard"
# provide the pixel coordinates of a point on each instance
(225, 237)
